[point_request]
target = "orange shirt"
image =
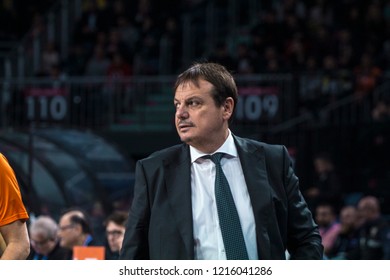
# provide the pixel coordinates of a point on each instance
(11, 204)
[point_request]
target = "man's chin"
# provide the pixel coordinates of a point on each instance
(185, 139)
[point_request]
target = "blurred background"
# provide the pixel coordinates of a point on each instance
(86, 90)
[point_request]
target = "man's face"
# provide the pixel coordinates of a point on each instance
(41, 243)
(324, 216)
(348, 216)
(199, 122)
(115, 234)
(68, 232)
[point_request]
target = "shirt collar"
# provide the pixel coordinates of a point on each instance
(228, 147)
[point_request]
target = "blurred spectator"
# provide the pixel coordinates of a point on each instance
(295, 52)
(115, 44)
(366, 76)
(76, 61)
(345, 49)
(245, 59)
(89, 24)
(97, 218)
(347, 239)
(268, 30)
(221, 55)
(381, 111)
(38, 26)
(170, 46)
(146, 57)
(310, 87)
(50, 57)
(327, 184)
(374, 143)
(118, 68)
(374, 234)
(120, 93)
(117, 9)
(115, 225)
(272, 61)
(329, 227)
(98, 64)
(144, 10)
(44, 240)
(330, 88)
(75, 229)
(129, 34)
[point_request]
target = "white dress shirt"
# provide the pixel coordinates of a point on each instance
(208, 242)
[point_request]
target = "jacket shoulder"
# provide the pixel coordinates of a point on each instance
(166, 155)
(266, 148)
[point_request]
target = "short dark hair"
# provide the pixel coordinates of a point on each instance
(78, 220)
(118, 217)
(80, 217)
(214, 73)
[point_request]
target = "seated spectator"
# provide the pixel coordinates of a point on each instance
(98, 64)
(222, 56)
(381, 111)
(115, 231)
(50, 57)
(44, 241)
(327, 185)
(347, 239)
(367, 76)
(118, 68)
(75, 230)
(374, 234)
(328, 225)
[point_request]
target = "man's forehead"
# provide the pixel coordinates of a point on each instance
(198, 83)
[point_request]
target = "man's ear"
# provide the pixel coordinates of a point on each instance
(228, 107)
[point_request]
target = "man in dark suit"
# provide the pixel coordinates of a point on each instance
(174, 214)
(45, 244)
(75, 229)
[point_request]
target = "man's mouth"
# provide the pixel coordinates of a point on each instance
(182, 126)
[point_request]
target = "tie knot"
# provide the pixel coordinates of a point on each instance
(216, 158)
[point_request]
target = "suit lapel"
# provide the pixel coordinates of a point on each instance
(254, 168)
(178, 183)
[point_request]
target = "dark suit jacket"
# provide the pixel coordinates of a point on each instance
(58, 253)
(160, 221)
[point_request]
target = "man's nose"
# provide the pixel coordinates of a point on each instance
(181, 112)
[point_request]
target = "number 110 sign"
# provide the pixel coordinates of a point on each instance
(46, 104)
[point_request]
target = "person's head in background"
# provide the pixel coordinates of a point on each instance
(115, 225)
(323, 163)
(369, 209)
(348, 218)
(325, 215)
(74, 229)
(43, 235)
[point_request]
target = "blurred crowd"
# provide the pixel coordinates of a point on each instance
(52, 240)
(356, 231)
(333, 48)
(286, 36)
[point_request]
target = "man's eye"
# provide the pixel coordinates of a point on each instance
(193, 103)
